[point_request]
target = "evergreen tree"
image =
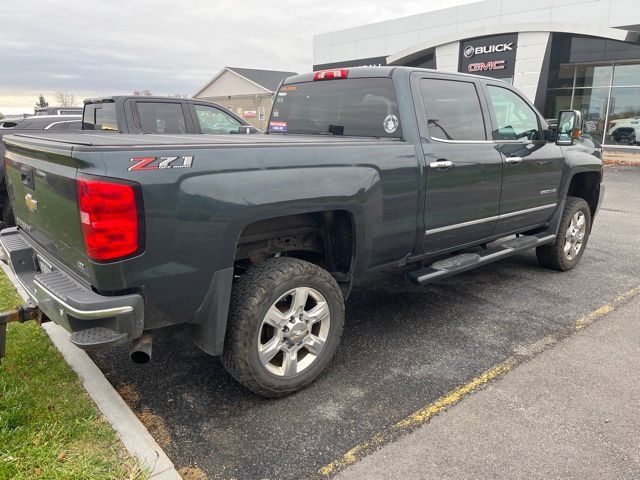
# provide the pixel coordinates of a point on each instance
(41, 103)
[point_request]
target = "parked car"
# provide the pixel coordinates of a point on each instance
(625, 130)
(48, 123)
(255, 241)
(47, 111)
(161, 115)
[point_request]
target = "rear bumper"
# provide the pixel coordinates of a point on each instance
(94, 320)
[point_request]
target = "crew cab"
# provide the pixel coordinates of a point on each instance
(161, 115)
(255, 241)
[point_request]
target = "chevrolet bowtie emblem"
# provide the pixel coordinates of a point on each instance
(32, 203)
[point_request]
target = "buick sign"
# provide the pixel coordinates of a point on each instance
(469, 51)
(493, 56)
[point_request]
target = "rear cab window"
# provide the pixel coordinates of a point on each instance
(100, 116)
(161, 117)
(345, 107)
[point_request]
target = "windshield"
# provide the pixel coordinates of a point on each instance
(351, 107)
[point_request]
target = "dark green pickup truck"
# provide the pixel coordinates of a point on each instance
(255, 240)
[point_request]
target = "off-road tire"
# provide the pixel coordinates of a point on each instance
(552, 255)
(252, 295)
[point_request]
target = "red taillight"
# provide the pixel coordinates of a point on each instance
(109, 218)
(331, 74)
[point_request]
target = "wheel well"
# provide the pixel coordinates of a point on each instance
(587, 186)
(324, 238)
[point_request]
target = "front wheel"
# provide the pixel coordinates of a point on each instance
(573, 234)
(285, 323)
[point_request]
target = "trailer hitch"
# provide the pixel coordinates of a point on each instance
(21, 313)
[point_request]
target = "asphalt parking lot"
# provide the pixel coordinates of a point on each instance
(403, 347)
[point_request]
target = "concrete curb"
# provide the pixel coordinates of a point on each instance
(133, 434)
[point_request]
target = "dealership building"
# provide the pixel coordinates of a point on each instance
(562, 54)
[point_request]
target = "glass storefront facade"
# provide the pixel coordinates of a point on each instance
(607, 95)
(607, 92)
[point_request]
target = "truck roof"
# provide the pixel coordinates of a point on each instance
(386, 71)
(115, 98)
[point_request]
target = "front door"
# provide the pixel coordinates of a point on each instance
(532, 166)
(463, 170)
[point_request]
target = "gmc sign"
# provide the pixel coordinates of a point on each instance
(493, 56)
(486, 66)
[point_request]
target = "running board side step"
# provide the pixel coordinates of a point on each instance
(467, 261)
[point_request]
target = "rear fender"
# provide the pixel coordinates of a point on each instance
(354, 189)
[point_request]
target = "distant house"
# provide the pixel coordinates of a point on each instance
(247, 91)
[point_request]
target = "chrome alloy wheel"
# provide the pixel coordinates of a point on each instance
(294, 332)
(574, 238)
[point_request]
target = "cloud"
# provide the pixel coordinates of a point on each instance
(92, 48)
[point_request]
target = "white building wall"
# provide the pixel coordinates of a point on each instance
(391, 36)
(529, 58)
(447, 57)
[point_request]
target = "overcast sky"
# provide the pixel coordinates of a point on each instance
(91, 48)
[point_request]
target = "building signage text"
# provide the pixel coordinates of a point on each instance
(493, 56)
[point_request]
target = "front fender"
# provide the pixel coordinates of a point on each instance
(582, 157)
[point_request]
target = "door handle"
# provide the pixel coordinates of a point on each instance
(26, 176)
(441, 164)
(514, 160)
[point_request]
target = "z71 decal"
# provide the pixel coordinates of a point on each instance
(159, 163)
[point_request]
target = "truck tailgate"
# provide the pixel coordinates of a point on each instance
(41, 183)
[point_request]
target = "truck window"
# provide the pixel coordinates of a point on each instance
(161, 117)
(213, 120)
(453, 110)
(352, 107)
(100, 116)
(516, 119)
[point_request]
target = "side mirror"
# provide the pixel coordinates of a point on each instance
(569, 127)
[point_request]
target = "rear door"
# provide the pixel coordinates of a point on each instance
(463, 170)
(532, 166)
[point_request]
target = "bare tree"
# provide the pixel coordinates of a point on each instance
(65, 99)
(143, 93)
(179, 95)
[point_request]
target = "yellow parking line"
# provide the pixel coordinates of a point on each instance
(606, 308)
(417, 418)
(423, 415)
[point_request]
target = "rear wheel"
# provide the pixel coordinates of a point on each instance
(285, 323)
(573, 234)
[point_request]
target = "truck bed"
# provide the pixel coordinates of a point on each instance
(81, 141)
